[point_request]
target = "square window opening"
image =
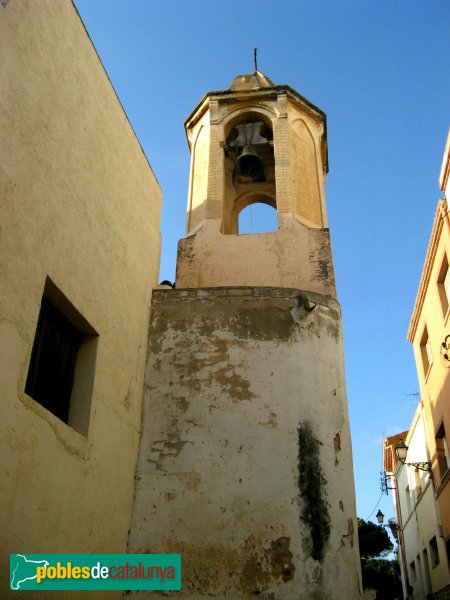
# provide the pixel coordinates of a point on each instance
(434, 552)
(442, 451)
(418, 485)
(412, 572)
(408, 500)
(418, 570)
(62, 365)
(427, 573)
(444, 285)
(426, 352)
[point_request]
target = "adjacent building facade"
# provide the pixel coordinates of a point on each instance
(417, 523)
(427, 541)
(79, 257)
(429, 333)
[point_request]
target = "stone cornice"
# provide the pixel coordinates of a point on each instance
(264, 93)
(441, 214)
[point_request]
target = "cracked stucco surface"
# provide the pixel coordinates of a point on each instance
(231, 377)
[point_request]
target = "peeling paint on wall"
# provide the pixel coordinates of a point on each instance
(337, 443)
(262, 567)
(350, 533)
(226, 474)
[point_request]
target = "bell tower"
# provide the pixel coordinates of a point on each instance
(257, 142)
(245, 464)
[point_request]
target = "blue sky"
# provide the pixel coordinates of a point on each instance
(379, 69)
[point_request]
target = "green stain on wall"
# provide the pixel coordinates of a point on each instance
(311, 481)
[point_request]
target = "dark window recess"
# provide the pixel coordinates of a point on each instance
(434, 552)
(442, 452)
(52, 364)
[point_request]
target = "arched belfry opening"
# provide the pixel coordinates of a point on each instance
(256, 213)
(249, 167)
(257, 218)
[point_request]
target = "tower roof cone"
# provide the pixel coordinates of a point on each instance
(252, 81)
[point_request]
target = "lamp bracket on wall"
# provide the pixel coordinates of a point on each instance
(384, 482)
(401, 450)
(423, 466)
(445, 352)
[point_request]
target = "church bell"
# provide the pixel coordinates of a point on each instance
(249, 164)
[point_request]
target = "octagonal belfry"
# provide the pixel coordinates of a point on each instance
(287, 134)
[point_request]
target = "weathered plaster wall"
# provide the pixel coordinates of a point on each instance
(245, 457)
(81, 205)
(293, 256)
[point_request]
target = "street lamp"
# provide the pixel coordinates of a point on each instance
(401, 450)
(393, 526)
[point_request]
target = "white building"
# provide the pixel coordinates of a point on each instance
(421, 545)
